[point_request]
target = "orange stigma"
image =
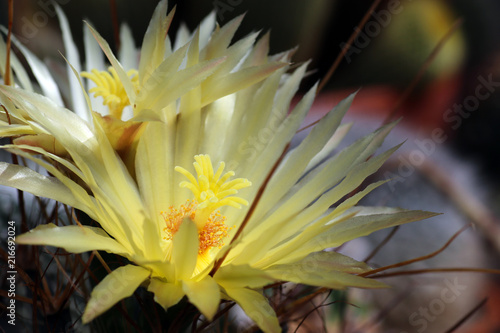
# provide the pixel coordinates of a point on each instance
(210, 236)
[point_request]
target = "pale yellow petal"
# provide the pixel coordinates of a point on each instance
(329, 147)
(166, 294)
(72, 238)
(168, 89)
(257, 308)
(154, 168)
(77, 100)
(321, 278)
(117, 285)
(122, 74)
(241, 276)
(238, 80)
(30, 181)
(297, 160)
(204, 294)
(315, 239)
(220, 39)
(185, 249)
(153, 45)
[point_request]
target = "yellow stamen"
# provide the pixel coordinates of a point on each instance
(211, 190)
(173, 218)
(111, 89)
(211, 235)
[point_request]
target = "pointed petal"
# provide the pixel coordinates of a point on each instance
(94, 59)
(166, 294)
(45, 112)
(153, 45)
(21, 75)
(257, 308)
(364, 225)
(165, 91)
(124, 78)
(220, 39)
(237, 81)
(296, 162)
(327, 150)
(204, 294)
(127, 55)
(117, 285)
(42, 74)
(322, 278)
(77, 99)
(337, 234)
(241, 276)
(72, 238)
(206, 28)
(25, 179)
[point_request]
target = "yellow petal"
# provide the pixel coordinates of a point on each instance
(241, 276)
(166, 294)
(338, 233)
(45, 141)
(325, 269)
(72, 238)
(237, 81)
(155, 165)
(117, 285)
(204, 294)
(185, 249)
(333, 280)
(257, 308)
(153, 45)
(122, 74)
(30, 181)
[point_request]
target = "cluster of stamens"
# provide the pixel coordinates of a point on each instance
(211, 191)
(110, 88)
(211, 235)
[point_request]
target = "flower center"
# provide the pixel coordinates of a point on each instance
(111, 89)
(211, 235)
(211, 191)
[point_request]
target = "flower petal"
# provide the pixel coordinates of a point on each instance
(72, 238)
(79, 105)
(94, 59)
(155, 165)
(25, 179)
(204, 294)
(337, 234)
(185, 249)
(153, 45)
(117, 285)
(321, 277)
(257, 308)
(166, 294)
(21, 75)
(297, 160)
(124, 78)
(241, 276)
(162, 92)
(127, 55)
(325, 269)
(42, 74)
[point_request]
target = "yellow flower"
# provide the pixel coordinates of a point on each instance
(189, 229)
(131, 91)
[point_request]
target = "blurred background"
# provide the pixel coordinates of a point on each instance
(451, 119)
